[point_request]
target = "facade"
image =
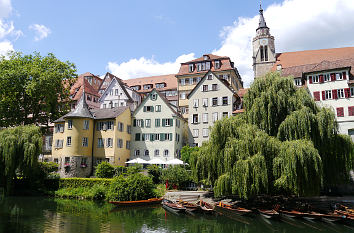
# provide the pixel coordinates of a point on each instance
(116, 94)
(190, 73)
(212, 99)
(75, 139)
(165, 84)
(158, 130)
(326, 73)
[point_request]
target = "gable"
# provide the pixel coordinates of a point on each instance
(114, 85)
(149, 101)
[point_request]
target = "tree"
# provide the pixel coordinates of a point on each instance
(104, 170)
(177, 175)
(33, 89)
(186, 153)
(19, 151)
(283, 143)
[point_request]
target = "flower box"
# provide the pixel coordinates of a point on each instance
(67, 165)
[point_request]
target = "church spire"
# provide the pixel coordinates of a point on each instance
(262, 22)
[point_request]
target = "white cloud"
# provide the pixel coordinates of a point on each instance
(5, 8)
(40, 30)
(295, 24)
(142, 67)
(5, 47)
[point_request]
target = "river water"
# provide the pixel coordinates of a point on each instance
(37, 214)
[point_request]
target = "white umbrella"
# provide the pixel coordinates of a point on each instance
(175, 162)
(156, 161)
(137, 160)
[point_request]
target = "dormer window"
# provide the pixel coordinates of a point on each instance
(147, 86)
(160, 85)
(136, 88)
(207, 65)
(206, 57)
(191, 68)
(217, 64)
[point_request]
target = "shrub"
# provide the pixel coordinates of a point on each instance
(177, 175)
(155, 173)
(136, 168)
(120, 170)
(104, 170)
(131, 188)
(98, 192)
(83, 182)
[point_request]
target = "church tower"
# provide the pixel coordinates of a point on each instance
(264, 56)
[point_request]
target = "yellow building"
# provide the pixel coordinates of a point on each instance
(83, 138)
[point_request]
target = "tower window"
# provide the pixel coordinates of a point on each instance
(264, 53)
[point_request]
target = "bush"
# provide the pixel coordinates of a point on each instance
(120, 170)
(136, 168)
(131, 188)
(104, 170)
(155, 173)
(177, 175)
(83, 182)
(98, 192)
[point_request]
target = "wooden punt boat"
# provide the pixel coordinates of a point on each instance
(151, 201)
(173, 207)
(312, 216)
(229, 210)
(269, 214)
(292, 213)
(343, 212)
(190, 207)
(331, 218)
(206, 207)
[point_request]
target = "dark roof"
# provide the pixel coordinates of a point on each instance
(108, 113)
(262, 22)
(61, 119)
(81, 109)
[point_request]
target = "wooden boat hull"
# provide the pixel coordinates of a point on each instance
(269, 214)
(232, 212)
(175, 208)
(151, 201)
(291, 214)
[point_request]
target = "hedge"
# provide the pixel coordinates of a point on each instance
(83, 182)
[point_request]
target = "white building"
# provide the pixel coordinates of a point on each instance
(210, 100)
(158, 130)
(116, 94)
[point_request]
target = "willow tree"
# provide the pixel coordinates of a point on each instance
(19, 151)
(283, 143)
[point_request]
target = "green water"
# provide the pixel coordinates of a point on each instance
(29, 214)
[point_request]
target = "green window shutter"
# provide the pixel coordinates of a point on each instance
(142, 123)
(152, 108)
(144, 109)
(163, 122)
(162, 136)
(97, 126)
(143, 137)
(170, 136)
(171, 121)
(152, 137)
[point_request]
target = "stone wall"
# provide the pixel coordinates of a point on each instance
(74, 167)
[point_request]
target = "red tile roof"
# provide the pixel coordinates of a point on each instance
(241, 92)
(170, 80)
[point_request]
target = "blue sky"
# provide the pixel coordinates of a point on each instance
(141, 38)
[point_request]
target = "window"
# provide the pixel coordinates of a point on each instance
(160, 85)
(68, 141)
(85, 142)
(298, 82)
(157, 153)
(191, 68)
(104, 105)
(111, 92)
(116, 105)
(214, 87)
(59, 128)
(153, 97)
(158, 108)
(187, 81)
(225, 114)
(129, 129)
(340, 112)
(86, 124)
(195, 103)
(127, 145)
(148, 109)
(217, 64)
(195, 119)
(182, 81)
(352, 91)
(326, 77)
(205, 117)
(205, 102)
(316, 95)
(56, 160)
(215, 101)
(195, 133)
(70, 124)
(264, 53)
(205, 88)
(215, 116)
(205, 132)
(340, 93)
(100, 143)
(178, 123)
(210, 77)
(148, 123)
(167, 122)
(67, 160)
(109, 142)
(59, 143)
(137, 152)
(137, 137)
(157, 122)
(207, 65)
(315, 79)
(110, 125)
(168, 136)
(225, 100)
(116, 92)
(120, 127)
(120, 143)
(166, 153)
(339, 76)
(182, 95)
(351, 111)
(147, 86)
(146, 153)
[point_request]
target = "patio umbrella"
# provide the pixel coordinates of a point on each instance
(137, 160)
(175, 162)
(156, 161)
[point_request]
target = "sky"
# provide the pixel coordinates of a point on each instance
(143, 38)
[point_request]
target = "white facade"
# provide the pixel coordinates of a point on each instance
(210, 100)
(118, 95)
(157, 130)
(331, 89)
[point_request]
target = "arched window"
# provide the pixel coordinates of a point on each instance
(264, 52)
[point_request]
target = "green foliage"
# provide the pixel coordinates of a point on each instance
(186, 153)
(32, 85)
(177, 175)
(83, 182)
(96, 192)
(120, 170)
(19, 151)
(160, 190)
(105, 170)
(136, 168)
(283, 143)
(131, 188)
(47, 169)
(155, 172)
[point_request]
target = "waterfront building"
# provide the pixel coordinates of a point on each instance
(158, 130)
(84, 137)
(210, 100)
(165, 84)
(115, 93)
(327, 74)
(191, 72)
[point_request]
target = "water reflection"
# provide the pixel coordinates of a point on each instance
(26, 214)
